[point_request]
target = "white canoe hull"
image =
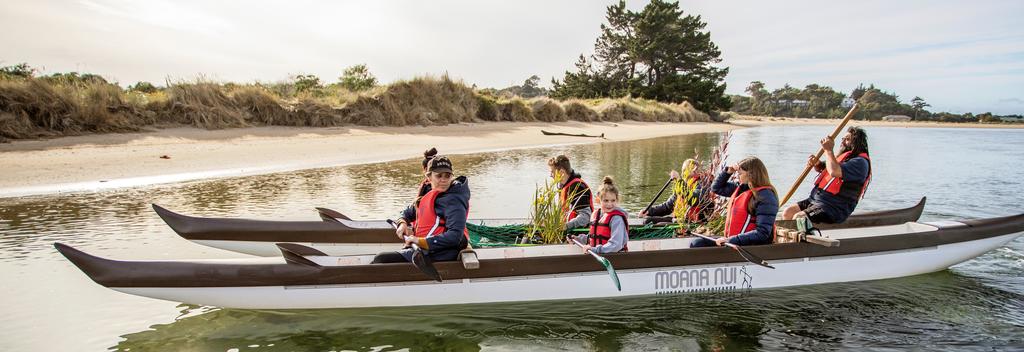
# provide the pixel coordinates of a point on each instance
(269, 249)
(637, 282)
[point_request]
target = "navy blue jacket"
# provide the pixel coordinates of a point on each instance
(766, 209)
(838, 209)
(453, 207)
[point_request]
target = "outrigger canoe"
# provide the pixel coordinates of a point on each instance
(346, 237)
(306, 279)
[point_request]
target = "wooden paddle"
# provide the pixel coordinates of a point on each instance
(420, 260)
(750, 257)
(821, 151)
(604, 261)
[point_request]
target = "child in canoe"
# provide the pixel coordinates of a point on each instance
(609, 227)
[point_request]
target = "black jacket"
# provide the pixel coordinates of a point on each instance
(663, 209)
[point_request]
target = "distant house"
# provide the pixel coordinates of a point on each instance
(896, 118)
(847, 103)
(792, 103)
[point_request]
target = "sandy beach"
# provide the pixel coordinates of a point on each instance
(105, 161)
(96, 162)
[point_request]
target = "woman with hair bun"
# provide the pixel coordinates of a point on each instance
(609, 227)
(428, 155)
(404, 219)
(437, 221)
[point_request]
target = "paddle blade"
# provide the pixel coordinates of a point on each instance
(611, 272)
(750, 257)
(425, 265)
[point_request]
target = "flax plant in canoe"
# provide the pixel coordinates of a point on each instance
(547, 216)
(696, 208)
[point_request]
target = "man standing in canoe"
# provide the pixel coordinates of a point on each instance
(841, 181)
(438, 223)
(574, 193)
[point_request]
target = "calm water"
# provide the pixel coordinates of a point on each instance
(966, 173)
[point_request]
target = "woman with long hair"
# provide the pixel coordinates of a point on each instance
(753, 204)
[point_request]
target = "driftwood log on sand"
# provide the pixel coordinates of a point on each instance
(546, 133)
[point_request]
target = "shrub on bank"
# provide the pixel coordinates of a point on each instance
(422, 101)
(69, 104)
(515, 110)
(487, 108)
(201, 104)
(547, 110)
(578, 111)
(33, 108)
(261, 106)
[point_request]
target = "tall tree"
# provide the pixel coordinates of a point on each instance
(759, 96)
(585, 83)
(918, 105)
(658, 53)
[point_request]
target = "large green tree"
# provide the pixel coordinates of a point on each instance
(585, 83)
(657, 53)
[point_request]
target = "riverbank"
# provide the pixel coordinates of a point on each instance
(96, 162)
(753, 121)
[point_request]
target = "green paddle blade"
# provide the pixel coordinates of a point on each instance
(611, 272)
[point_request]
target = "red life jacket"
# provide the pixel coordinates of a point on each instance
(738, 220)
(835, 186)
(570, 209)
(428, 223)
(423, 186)
(601, 229)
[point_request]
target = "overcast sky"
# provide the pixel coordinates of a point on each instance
(959, 56)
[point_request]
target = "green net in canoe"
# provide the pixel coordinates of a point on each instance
(510, 235)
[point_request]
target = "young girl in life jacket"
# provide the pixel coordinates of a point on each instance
(753, 204)
(609, 229)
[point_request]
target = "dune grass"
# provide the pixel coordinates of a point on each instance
(42, 107)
